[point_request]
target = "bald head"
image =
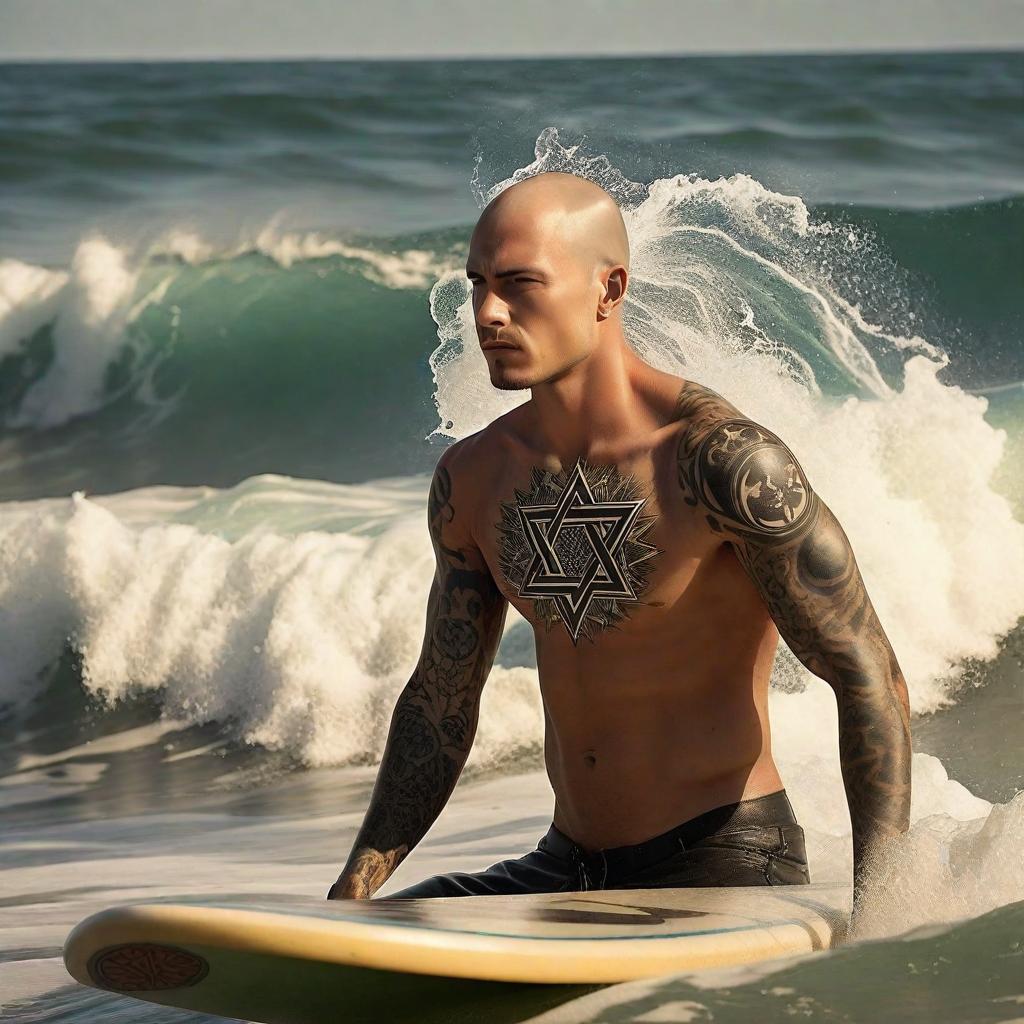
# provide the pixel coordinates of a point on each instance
(549, 265)
(571, 217)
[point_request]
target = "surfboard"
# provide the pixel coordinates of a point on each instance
(287, 960)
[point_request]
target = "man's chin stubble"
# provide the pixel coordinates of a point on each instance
(509, 383)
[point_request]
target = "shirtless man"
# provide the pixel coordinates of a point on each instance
(659, 542)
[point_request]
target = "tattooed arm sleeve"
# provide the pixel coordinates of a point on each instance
(435, 718)
(754, 492)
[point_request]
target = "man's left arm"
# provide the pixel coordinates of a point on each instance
(753, 491)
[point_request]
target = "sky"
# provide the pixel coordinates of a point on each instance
(253, 29)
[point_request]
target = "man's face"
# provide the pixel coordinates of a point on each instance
(535, 296)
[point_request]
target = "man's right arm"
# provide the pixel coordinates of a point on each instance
(435, 718)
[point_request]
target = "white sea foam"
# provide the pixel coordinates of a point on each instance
(29, 298)
(88, 308)
(302, 640)
(405, 268)
(959, 859)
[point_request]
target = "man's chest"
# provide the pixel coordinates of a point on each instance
(586, 548)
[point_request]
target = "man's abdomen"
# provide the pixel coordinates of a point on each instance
(625, 770)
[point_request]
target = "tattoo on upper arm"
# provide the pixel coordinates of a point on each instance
(754, 492)
(750, 481)
(435, 718)
(440, 512)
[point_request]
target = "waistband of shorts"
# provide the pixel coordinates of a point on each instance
(770, 809)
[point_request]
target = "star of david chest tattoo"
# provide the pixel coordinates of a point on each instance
(573, 544)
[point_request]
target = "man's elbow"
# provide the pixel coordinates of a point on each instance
(873, 699)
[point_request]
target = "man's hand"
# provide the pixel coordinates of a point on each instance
(352, 888)
(340, 891)
(755, 493)
(363, 875)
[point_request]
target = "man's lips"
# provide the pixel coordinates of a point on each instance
(488, 345)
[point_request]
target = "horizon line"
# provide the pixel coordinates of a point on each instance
(466, 57)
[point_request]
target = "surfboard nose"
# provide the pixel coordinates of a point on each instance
(101, 951)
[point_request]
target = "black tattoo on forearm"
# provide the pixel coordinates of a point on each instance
(755, 493)
(435, 718)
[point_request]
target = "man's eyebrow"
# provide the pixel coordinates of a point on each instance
(510, 273)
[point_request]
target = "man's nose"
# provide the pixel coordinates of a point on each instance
(491, 311)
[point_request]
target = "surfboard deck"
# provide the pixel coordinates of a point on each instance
(286, 960)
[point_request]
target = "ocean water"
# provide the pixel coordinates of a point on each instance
(233, 341)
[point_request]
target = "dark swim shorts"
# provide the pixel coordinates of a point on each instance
(752, 842)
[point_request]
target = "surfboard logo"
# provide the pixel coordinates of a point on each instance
(573, 543)
(146, 967)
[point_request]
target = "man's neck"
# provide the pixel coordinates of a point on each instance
(594, 404)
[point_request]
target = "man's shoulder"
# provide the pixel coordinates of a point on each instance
(713, 431)
(452, 478)
(699, 409)
(738, 469)
(473, 455)
(469, 455)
